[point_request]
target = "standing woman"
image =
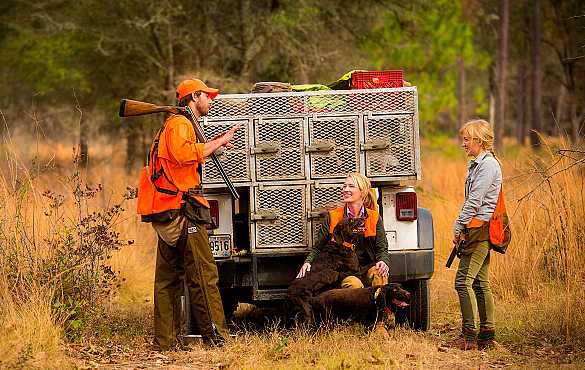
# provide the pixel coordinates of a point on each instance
(482, 187)
(372, 248)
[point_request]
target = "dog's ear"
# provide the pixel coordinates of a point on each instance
(337, 234)
(342, 231)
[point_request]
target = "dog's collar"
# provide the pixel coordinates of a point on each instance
(377, 293)
(348, 245)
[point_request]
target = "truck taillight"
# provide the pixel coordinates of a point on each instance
(406, 208)
(214, 210)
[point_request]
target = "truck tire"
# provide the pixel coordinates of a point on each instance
(418, 314)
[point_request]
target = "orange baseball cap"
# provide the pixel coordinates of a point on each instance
(192, 85)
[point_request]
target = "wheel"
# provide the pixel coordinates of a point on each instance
(418, 314)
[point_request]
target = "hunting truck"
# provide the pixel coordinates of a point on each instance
(289, 160)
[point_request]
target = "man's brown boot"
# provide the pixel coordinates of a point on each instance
(465, 342)
(486, 338)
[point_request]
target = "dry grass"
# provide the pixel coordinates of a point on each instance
(31, 336)
(538, 291)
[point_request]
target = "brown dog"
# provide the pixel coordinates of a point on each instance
(336, 261)
(365, 305)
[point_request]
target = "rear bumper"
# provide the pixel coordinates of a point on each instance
(278, 271)
(411, 264)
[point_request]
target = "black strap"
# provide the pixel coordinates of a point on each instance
(156, 174)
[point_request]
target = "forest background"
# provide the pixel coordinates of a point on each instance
(64, 65)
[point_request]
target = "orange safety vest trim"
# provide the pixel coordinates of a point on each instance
(475, 223)
(172, 168)
(370, 223)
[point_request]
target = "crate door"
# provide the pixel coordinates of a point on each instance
(324, 197)
(234, 160)
(279, 149)
(333, 146)
(389, 144)
(280, 216)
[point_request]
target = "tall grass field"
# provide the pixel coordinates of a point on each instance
(77, 266)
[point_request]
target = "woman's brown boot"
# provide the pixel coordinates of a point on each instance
(465, 342)
(486, 338)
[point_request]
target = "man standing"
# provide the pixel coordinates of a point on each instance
(170, 197)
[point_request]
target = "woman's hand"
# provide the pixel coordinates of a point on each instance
(383, 268)
(304, 269)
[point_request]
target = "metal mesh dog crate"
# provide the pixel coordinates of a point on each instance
(279, 216)
(323, 198)
(295, 148)
(278, 149)
(334, 146)
(235, 161)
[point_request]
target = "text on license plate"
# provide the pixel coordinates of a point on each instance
(221, 245)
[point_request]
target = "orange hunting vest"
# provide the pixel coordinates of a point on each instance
(371, 221)
(171, 169)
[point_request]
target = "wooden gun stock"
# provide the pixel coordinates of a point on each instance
(131, 108)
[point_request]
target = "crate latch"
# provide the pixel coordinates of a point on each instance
(320, 146)
(317, 213)
(265, 148)
(376, 144)
(264, 215)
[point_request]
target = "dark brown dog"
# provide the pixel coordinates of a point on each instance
(365, 305)
(336, 261)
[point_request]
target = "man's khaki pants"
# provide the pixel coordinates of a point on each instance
(191, 255)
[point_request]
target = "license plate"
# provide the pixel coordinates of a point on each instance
(221, 245)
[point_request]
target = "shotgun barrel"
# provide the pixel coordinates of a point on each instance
(132, 108)
(201, 137)
(455, 252)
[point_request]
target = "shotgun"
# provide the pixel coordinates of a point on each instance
(456, 252)
(132, 108)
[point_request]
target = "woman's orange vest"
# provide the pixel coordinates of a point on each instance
(171, 169)
(370, 222)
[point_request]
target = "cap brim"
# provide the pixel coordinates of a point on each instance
(212, 93)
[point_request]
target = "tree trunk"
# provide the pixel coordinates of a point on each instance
(461, 116)
(536, 92)
(492, 96)
(83, 155)
(83, 146)
(133, 147)
(577, 121)
(171, 64)
(502, 75)
(246, 37)
(522, 104)
(561, 107)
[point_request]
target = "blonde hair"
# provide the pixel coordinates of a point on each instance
(480, 130)
(365, 187)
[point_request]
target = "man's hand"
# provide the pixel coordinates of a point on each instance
(383, 268)
(304, 269)
(456, 238)
(220, 140)
(227, 136)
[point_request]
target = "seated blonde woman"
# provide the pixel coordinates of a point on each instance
(371, 248)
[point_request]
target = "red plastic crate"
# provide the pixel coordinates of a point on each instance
(377, 79)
